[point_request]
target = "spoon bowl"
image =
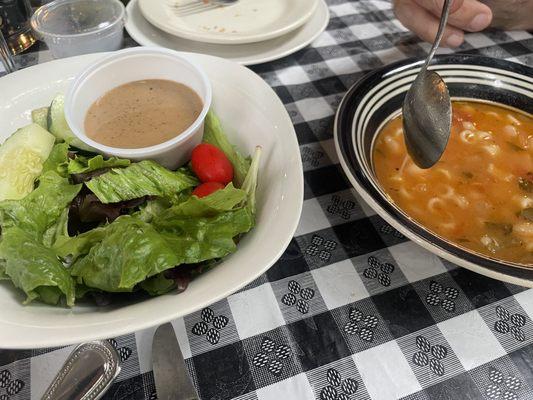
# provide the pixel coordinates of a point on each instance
(427, 118)
(427, 109)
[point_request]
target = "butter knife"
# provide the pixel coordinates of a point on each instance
(171, 376)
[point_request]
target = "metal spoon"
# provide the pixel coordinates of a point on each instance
(87, 373)
(427, 109)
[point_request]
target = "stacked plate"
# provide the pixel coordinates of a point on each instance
(248, 32)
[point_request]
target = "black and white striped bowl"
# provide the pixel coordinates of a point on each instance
(378, 97)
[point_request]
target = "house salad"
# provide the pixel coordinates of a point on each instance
(77, 225)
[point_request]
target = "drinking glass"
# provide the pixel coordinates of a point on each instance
(6, 56)
(15, 24)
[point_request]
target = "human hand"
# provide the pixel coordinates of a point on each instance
(511, 14)
(422, 17)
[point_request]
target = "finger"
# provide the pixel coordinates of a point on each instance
(424, 24)
(467, 15)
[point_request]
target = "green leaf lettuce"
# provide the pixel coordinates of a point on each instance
(57, 160)
(35, 268)
(129, 252)
(220, 201)
(145, 178)
(41, 209)
(126, 252)
(214, 134)
(158, 285)
(81, 164)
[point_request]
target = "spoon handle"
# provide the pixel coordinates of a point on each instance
(87, 373)
(440, 32)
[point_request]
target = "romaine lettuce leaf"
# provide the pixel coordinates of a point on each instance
(49, 294)
(57, 229)
(145, 178)
(214, 134)
(3, 275)
(130, 252)
(82, 290)
(152, 208)
(197, 239)
(57, 160)
(158, 285)
(126, 252)
(35, 268)
(40, 210)
(250, 182)
(222, 200)
(81, 164)
(71, 248)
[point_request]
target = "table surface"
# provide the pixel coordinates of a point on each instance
(352, 310)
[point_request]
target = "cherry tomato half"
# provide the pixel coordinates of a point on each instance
(205, 189)
(210, 164)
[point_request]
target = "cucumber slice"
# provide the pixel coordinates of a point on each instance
(57, 124)
(39, 116)
(22, 157)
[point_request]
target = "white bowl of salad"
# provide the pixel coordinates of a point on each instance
(94, 246)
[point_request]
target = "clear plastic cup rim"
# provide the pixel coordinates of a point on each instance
(36, 26)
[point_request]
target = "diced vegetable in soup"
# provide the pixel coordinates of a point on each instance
(480, 194)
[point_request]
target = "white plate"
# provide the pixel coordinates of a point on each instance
(252, 115)
(146, 34)
(247, 21)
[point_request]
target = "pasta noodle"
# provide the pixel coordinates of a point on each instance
(513, 119)
(510, 131)
(444, 172)
(480, 194)
(467, 136)
(492, 149)
(482, 135)
(468, 125)
(435, 202)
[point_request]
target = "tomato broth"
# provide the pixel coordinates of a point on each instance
(480, 193)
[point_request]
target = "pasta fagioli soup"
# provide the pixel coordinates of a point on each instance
(480, 193)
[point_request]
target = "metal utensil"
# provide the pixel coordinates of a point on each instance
(427, 109)
(87, 373)
(171, 377)
(197, 6)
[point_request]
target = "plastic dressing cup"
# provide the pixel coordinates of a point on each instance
(74, 27)
(136, 64)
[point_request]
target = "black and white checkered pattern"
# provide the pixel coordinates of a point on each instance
(352, 310)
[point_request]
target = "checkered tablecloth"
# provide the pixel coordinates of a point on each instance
(352, 310)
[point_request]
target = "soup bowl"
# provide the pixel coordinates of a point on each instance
(377, 98)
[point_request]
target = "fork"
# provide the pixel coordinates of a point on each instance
(199, 6)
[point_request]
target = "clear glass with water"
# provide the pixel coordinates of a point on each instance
(6, 56)
(73, 27)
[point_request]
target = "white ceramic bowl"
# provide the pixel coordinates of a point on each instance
(132, 65)
(251, 114)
